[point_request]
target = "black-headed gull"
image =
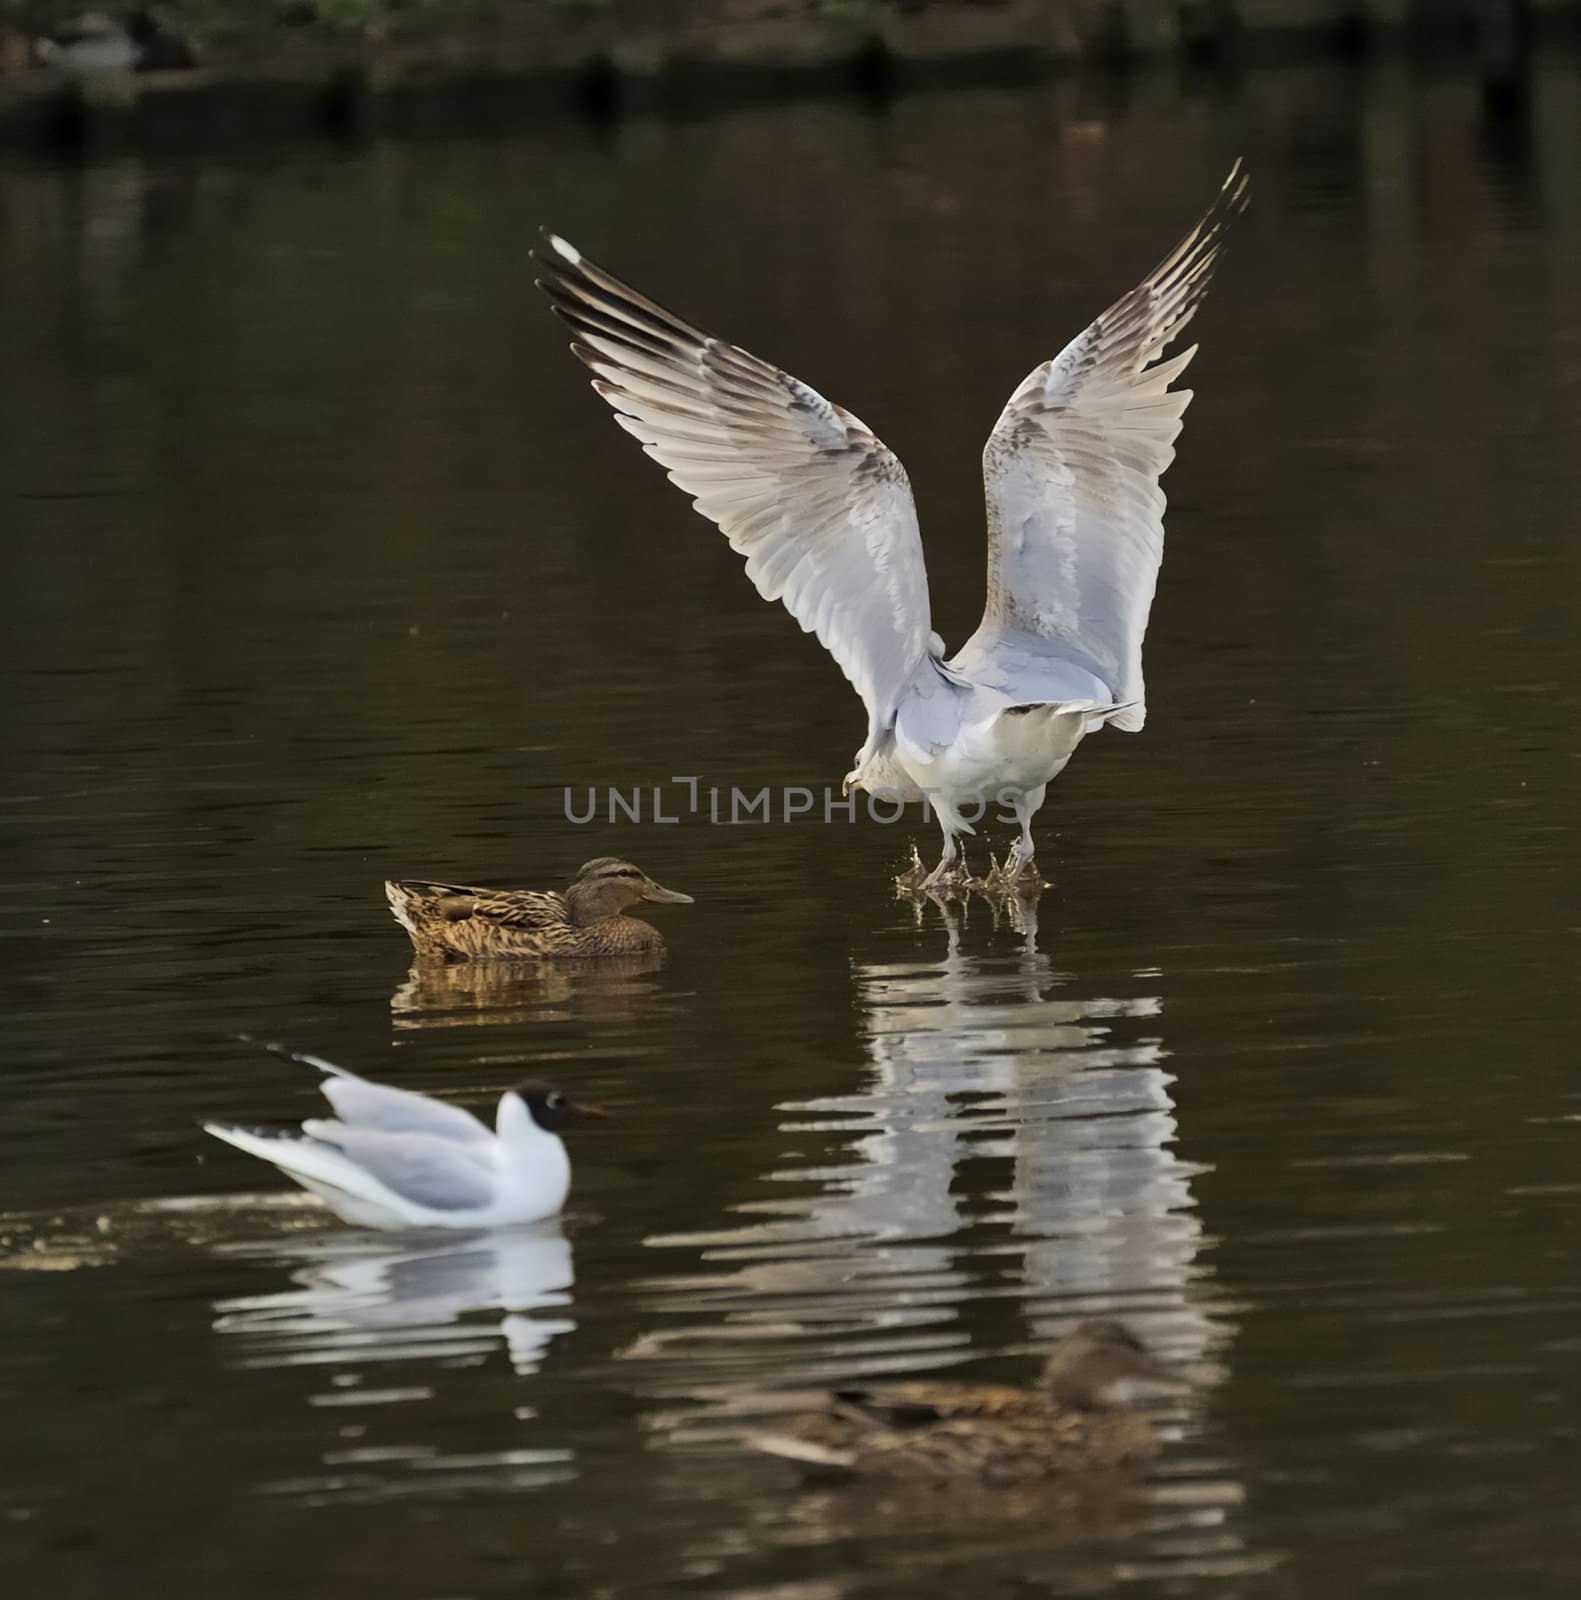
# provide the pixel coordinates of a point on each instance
(390, 1158)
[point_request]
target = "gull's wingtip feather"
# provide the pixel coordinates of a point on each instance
(233, 1133)
(562, 247)
(318, 1063)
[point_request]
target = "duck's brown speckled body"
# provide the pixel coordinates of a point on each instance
(934, 1432)
(461, 923)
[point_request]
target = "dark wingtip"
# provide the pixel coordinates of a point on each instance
(317, 1063)
(251, 1039)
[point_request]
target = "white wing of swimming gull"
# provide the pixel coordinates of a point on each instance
(381, 1109)
(400, 1160)
(416, 1167)
(362, 1104)
(1075, 513)
(820, 508)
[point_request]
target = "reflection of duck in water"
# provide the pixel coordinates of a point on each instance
(589, 919)
(1078, 1420)
(449, 994)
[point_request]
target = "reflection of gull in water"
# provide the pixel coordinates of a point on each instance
(1008, 1171)
(386, 1332)
(359, 1298)
(972, 1056)
(361, 1304)
(940, 1030)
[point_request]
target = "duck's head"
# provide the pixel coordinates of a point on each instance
(1104, 1364)
(606, 886)
(549, 1107)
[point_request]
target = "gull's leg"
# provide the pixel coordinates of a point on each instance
(1022, 851)
(947, 861)
(952, 823)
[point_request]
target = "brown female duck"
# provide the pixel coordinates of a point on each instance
(467, 924)
(1077, 1421)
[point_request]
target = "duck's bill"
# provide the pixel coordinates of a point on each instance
(667, 897)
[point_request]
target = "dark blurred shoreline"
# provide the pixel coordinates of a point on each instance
(454, 70)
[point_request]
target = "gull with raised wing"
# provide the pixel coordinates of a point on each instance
(390, 1158)
(823, 513)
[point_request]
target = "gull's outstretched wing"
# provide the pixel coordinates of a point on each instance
(819, 507)
(1075, 513)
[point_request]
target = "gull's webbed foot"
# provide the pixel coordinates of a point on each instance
(914, 879)
(1017, 874)
(950, 873)
(949, 876)
(1021, 865)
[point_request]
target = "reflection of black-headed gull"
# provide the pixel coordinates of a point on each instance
(358, 1299)
(393, 1159)
(824, 515)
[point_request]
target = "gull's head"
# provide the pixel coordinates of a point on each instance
(852, 779)
(606, 886)
(545, 1106)
(1104, 1364)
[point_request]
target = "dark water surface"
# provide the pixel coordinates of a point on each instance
(320, 563)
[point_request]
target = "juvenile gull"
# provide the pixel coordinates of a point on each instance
(824, 515)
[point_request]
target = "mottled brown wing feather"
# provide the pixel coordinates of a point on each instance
(520, 908)
(911, 1404)
(996, 1435)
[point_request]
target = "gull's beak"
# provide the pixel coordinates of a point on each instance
(585, 1108)
(847, 782)
(666, 897)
